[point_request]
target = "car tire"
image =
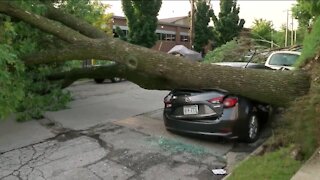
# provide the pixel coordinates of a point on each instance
(251, 129)
(98, 81)
(115, 79)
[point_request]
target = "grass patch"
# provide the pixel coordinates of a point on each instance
(299, 128)
(298, 131)
(310, 44)
(274, 165)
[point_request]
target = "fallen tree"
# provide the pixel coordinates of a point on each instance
(155, 70)
(85, 42)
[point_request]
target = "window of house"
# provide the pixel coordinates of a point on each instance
(125, 32)
(163, 37)
(184, 38)
(170, 37)
(159, 36)
(115, 34)
(173, 37)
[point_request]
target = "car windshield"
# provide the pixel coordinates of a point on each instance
(283, 59)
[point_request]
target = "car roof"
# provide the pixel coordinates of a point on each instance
(239, 64)
(234, 64)
(287, 52)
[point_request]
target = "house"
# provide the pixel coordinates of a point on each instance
(170, 31)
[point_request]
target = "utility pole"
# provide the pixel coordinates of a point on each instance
(271, 38)
(192, 24)
(295, 36)
(292, 42)
(286, 38)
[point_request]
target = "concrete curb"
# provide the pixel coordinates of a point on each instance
(310, 169)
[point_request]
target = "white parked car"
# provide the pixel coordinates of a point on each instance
(282, 60)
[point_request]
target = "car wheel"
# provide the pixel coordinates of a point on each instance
(115, 79)
(98, 81)
(251, 130)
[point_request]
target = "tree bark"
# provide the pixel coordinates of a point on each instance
(274, 87)
(42, 23)
(75, 23)
(107, 72)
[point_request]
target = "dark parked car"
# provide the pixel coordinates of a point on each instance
(214, 112)
(112, 79)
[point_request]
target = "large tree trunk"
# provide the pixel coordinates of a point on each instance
(274, 87)
(107, 72)
(165, 71)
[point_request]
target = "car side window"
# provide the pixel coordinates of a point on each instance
(277, 59)
(283, 59)
(292, 59)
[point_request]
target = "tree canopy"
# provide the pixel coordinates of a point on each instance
(262, 31)
(203, 32)
(228, 24)
(306, 11)
(25, 88)
(142, 21)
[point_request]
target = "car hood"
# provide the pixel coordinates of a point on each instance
(277, 67)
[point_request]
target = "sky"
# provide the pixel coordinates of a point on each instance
(272, 10)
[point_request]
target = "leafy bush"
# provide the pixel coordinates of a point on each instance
(33, 105)
(11, 80)
(311, 44)
(25, 89)
(221, 53)
(40, 94)
(232, 51)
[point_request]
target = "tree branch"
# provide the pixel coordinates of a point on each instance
(42, 23)
(79, 51)
(75, 23)
(107, 72)
(277, 88)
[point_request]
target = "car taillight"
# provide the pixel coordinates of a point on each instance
(167, 101)
(216, 100)
(227, 102)
(230, 102)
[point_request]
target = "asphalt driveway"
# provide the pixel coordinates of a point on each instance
(111, 131)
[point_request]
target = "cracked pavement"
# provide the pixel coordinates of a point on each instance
(132, 144)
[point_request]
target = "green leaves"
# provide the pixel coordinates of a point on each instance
(311, 44)
(32, 5)
(142, 20)
(25, 90)
(203, 33)
(11, 80)
(34, 105)
(40, 94)
(306, 11)
(262, 31)
(229, 24)
(221, 53)
(93, 12)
